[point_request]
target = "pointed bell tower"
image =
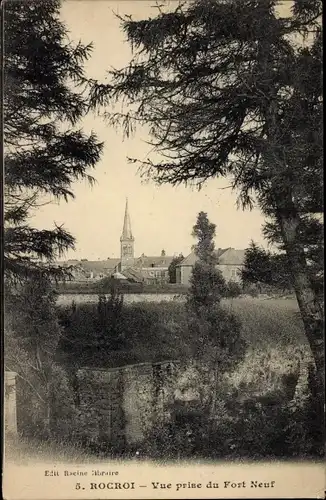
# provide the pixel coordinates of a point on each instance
(127, 242)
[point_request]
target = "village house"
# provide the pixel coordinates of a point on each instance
(230, 263)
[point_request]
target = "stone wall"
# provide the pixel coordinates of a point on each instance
(128, 298)
(120, 405)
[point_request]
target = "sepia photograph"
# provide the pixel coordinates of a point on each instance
(163, 265)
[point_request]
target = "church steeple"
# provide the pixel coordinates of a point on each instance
(126, 231)
(127, 241)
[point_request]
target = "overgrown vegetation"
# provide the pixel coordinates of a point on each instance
(32, 335)
(216, 332)
(262, 411)
(255, 402)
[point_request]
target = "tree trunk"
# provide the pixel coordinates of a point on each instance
(310, 309)
(289, 220)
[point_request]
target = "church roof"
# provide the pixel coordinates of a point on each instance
(226, 256)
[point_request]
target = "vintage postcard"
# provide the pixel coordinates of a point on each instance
(163, 249)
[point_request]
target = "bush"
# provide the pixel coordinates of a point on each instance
(258, 413)
(216, 334)
(179, 438)
(32, 407)
(233, 289)
(252, 289)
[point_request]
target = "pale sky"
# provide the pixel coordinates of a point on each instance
(161, 217)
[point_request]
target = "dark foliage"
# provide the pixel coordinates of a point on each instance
(111, 334)
(264, 267)
(32, 334)
(172, 270)
(253, 430)
(46, 94)
(216, 333)
(233, 290)
(207, 285)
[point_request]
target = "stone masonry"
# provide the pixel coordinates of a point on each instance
(120, 405)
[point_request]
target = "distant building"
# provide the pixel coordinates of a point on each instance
(149, 269)
(143, 269)
(230, 263)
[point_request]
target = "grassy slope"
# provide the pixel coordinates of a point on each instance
(269, 322)
(272, 323)
(266, 324)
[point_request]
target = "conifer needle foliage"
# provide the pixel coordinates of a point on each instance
(46, 95)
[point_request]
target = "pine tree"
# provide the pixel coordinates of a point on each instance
(46, 94)
(264, 267)
(207, 285)
(234, 89)
(217, 333)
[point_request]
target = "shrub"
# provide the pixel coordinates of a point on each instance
(233, 289)
(216, 335)
(32, 335)
(252, 289)
(180, 437)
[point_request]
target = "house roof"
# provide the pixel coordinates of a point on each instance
(109, 265)
(132, 274)
(189, 260)
(226, 256)
(232, 257)
(96, 266)
(155, 261)
(119, 276)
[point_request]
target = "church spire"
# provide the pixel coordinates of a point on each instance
(127, 242)
(126, 231)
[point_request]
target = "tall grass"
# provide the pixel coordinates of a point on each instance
(158, 331)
